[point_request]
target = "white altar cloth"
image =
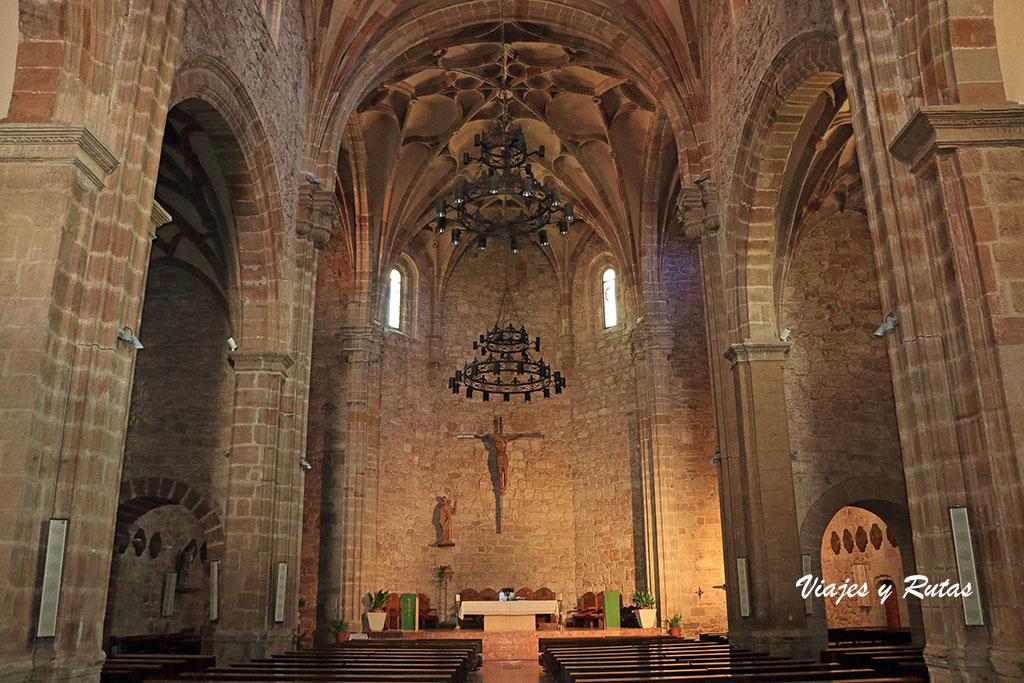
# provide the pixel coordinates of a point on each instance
(507, 608)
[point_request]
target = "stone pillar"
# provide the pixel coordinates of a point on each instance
(652, 345)
(253, 540)
(763, 467)
(59, 406)
(318, 217)
(348, 523)
(698, 213)
(960, 391)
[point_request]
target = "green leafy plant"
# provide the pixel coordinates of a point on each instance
(378, 599)
(643, 599)
(675, 621)
(338, 625)
(444, 571)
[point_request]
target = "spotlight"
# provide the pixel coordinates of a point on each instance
(785, 334)
(304, 464)
(231, 344)
(890, 324)
(126, 335)
(717, 459)
(702, 178)
(312, 179)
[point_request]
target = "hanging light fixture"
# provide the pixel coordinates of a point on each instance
(505, 200)
(505, 366)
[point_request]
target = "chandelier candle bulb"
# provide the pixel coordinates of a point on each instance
(543, 235)
(563, 226)
(456, 237)
(481, 244)
(514, 245)
(441, 208)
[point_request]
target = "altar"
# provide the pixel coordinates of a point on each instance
(510, 615)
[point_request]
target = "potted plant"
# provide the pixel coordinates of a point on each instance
(444, 572)
(340, 629)
(675, 625)
(645, 611)
(375, 614)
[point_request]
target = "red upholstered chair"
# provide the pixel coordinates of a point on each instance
(471, 620)
(524, 593)
(488, 594)
(544, 593)
(427, 617)
(393, 607)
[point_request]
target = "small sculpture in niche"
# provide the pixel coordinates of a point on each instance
(445, 512)
(121, 541)
(156, 544)
(139, 542)
(862, 539)
(876, 536)
(185, 558)
(837, 545)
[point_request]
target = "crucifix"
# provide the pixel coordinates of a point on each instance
(496, 444)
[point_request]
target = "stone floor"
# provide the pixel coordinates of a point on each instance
(510, 672)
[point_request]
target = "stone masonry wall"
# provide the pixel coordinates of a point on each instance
(695, 484)
(606, 474)
(842, 417)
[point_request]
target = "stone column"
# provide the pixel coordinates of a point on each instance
(62, 422)
(960, 390)
(698, 213)
(348, 523)
(652, 344)
(777, 622)
(252, 542)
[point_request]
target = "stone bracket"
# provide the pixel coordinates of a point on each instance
(255, 361)
(936, 129)
(47, 142)
(318, 216)
(158, 217)
(697, 211)
(752, 352)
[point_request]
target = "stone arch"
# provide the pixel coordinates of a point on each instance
(803, 69)
(209, 91)
(426, 28)
(143, 494)
(886, 498)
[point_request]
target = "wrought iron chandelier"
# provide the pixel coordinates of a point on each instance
(505, 200)
(505, 365)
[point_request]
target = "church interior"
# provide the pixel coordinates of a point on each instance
(513, 323)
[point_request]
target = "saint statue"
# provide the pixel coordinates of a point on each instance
(445, 511)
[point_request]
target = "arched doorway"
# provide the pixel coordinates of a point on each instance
(181, 415)
(859, 547)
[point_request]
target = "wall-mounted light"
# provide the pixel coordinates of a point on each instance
(888, 325)
(231, 344)
(785, 334)
(126, 335)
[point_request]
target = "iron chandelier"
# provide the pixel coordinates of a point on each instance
(505, 365)
(505, 200)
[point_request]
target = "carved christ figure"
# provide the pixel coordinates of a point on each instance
(497, 443)
(444, 519)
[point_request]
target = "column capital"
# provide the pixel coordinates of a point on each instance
(48, 142)
(256, 361)
(752, 352)
(317, 215)
(944, 128)
(158, 217)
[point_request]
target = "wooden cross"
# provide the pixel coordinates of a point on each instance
(496, 444)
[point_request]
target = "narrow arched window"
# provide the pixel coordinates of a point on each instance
(611, 309)
(395, 300)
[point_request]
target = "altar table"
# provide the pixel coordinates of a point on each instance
(511, 615)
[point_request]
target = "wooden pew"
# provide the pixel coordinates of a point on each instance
(665, 660)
